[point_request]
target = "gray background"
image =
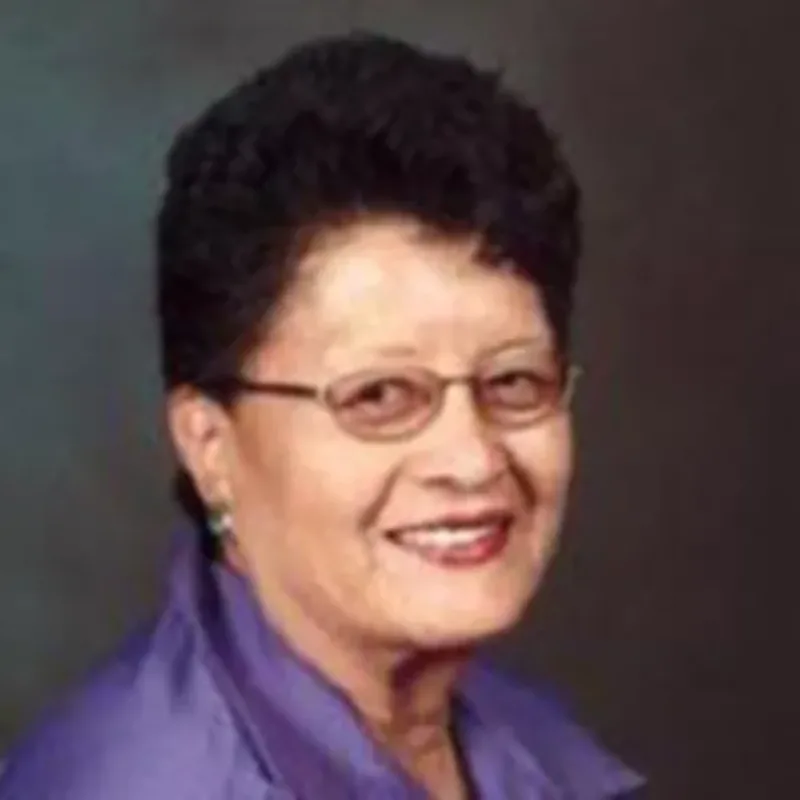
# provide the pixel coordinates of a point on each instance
(668, 621)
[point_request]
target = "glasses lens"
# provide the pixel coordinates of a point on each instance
(383, 404)
(519, 392)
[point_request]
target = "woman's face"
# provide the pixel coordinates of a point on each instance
(320, 517)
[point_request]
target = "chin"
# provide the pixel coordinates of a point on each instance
(467, 627)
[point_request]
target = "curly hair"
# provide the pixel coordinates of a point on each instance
(339, 129)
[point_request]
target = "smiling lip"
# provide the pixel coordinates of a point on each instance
(457, 520)
(488, 544)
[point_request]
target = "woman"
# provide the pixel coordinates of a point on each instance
(366, 265)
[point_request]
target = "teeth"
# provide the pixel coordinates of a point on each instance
(445, 537)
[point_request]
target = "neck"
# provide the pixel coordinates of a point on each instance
(404, 700)
(402, 695)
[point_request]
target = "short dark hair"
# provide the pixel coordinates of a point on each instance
(340, 129)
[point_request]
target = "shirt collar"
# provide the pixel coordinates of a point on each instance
(307, 735)
(538, 734)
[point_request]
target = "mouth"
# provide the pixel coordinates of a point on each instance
(456, 541)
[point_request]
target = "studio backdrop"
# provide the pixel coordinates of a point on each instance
(667, 621)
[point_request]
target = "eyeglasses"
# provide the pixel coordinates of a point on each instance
(510, 389)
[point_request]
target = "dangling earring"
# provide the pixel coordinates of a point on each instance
(220, 521)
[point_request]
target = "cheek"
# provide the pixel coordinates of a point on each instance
(308, 485)
(545, 458)
(335, 478)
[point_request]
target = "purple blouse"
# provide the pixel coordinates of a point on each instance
(210, 704)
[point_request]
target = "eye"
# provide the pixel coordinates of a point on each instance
(379, 398)
(517, 388)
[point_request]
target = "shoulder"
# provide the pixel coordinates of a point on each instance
(540, 722)
(148, 724)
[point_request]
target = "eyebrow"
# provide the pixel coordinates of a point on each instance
(402, 350)
(396, 350)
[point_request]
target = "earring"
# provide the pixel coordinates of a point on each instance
(220, 521)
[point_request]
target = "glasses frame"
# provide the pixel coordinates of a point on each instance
(322, 395)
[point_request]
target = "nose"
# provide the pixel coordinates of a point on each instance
(459, 448)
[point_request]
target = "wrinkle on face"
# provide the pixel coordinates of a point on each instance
(312, 504)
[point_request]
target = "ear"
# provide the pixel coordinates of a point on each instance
(200, 431)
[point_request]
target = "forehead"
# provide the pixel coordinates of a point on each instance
(390, 285)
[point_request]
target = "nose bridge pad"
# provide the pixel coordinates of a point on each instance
(473, 383)
(473, 386)
(479, 420)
